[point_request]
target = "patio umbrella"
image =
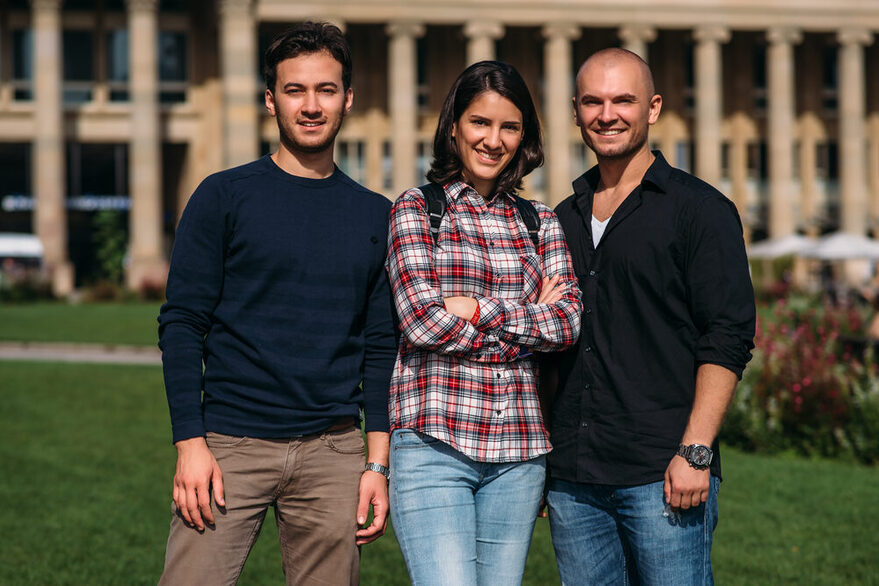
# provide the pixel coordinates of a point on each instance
(843, 246)
(784, 246)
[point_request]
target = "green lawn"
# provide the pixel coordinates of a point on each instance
(94, 323)
(85, 478)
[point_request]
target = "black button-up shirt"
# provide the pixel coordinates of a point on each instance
(666, 290)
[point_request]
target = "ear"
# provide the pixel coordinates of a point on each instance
(655, 107)
(454, 129)
(349, 99)
(270, 102)
(576, 116)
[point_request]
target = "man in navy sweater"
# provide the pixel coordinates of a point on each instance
(277, 286)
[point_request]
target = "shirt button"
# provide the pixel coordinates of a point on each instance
(588, 310)
(498, 375)
(584, 425)
(498, 412)
(587, 386)
(591, 273)
(587, 349)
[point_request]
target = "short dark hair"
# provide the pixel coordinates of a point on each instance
(477, 79)
(308, 37)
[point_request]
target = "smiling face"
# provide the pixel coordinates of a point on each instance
(487, 135)
(615, 104)
(309, 102)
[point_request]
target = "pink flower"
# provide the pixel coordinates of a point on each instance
(797, 388)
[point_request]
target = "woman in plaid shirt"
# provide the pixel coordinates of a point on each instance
(468, 443)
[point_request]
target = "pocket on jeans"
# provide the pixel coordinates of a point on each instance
(221, 440)
(345, 442)
(408, 439)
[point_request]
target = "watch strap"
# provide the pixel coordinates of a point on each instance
(376, 467)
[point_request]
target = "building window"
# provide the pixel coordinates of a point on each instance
(16, 203)
(79, 71)
(173, 67)
(117, 65)
(829, 79)
(350, 155)
(758, 81)
(22, 64)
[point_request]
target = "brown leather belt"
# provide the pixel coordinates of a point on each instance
(342, 424)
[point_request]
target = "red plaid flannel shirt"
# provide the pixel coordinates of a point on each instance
(474, 386)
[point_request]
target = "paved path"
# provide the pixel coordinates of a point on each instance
(93, 353)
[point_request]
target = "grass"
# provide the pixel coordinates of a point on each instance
(86, 466)
(94, 323)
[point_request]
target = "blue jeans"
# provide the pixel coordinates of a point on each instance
(458, 521)
(627, 535)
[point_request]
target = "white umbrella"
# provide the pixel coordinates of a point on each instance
(843, 246)
(778, 247)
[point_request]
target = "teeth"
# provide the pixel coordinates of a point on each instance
(608, 132)
(488, 156)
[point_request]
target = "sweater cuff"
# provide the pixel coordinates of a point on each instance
(186, 430)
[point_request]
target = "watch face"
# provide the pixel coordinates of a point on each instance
(700, 455)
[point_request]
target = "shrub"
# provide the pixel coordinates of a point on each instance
(806, 390)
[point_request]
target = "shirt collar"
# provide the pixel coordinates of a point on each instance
(456, 188)
(657, 175)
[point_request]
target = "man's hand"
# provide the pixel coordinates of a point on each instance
(373, 491)
(197, 471)
(685, 486)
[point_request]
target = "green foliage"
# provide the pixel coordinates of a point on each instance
(111, 240)
(807, 388)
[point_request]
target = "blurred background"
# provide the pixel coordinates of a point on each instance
(112, 111)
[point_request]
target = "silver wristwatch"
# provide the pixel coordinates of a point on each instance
(376, 467)
(697, 455)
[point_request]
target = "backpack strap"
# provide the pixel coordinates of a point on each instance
(435, 198)
(529, 215)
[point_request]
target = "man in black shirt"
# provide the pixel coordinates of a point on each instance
(667, 328)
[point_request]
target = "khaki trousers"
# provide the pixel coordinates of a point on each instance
(312, 482)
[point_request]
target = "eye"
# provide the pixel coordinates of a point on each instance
(479, 122)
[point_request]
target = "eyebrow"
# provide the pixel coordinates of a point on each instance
(475, 116)
(626, 96)
(320, 84)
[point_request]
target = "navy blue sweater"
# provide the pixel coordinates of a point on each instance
(277, 283)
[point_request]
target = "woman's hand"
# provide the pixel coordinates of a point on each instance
(551, 290)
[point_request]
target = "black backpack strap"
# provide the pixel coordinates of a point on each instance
(529, 215)
(435, 199)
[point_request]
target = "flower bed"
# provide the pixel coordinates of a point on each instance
(811, 387)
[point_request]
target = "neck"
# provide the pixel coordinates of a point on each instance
(309, 165)
(625, 171)
(483, 188)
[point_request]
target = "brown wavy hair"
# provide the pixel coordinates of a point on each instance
(487, 76)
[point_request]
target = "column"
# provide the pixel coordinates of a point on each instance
(147, 265)
(780, 126)
(558, 108)
(852, 138)
(49, 172)
(709, 94)
(635, 38)
(403, 103)
(240, 81)
(481, 36)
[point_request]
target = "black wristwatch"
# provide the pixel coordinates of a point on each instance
(376, 467)
(697, 455)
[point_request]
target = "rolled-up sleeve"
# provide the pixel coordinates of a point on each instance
(721, 297)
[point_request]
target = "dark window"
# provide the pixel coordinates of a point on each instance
(97, 169)
(117, 64)
(22, 64)
(173, 72)
(15, 182)
(79, 70)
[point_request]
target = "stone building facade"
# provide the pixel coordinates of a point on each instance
(130, 103)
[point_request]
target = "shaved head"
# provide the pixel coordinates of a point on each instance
(615, 57)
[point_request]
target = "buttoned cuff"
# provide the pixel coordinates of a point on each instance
(491, 314)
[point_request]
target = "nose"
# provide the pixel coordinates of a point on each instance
(311, 105)
(607, 113)
(492, 138)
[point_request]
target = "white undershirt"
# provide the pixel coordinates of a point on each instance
(598, 230)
